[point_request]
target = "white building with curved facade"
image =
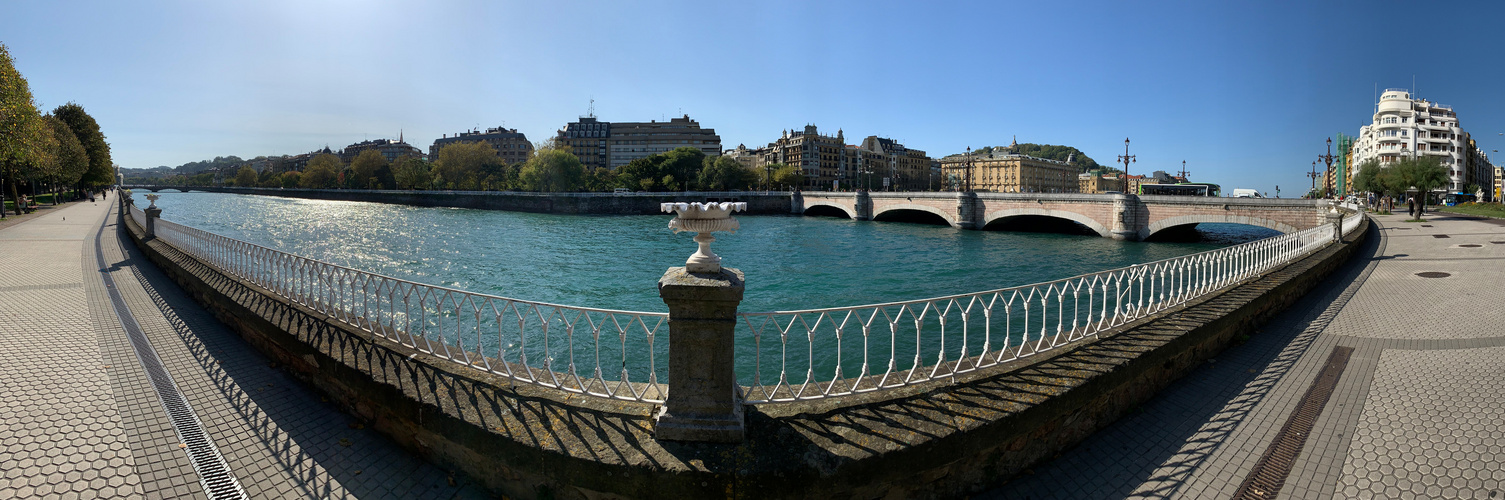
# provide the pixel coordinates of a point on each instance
(1406, 127)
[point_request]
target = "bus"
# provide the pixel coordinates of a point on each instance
(1184, 189)
(1451, 199)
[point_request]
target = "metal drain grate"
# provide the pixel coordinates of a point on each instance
(214, 472)
(1439, 236)
(1270, 472)
(1470, 245)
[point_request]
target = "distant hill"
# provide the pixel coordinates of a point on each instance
(1052, 152)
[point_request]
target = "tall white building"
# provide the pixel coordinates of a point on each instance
(1405, 127)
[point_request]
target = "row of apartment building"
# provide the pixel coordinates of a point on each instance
(1409, 127)
(828, 162)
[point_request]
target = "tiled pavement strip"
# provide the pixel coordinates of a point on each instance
(1418, 413)
(78, 417)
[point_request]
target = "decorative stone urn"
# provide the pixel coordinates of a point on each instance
(704, 219)
(153, 198)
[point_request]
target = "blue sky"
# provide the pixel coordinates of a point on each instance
(1246, 92)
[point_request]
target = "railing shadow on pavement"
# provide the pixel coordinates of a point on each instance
(1162, 471)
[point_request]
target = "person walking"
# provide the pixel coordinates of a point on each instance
(1411, 207)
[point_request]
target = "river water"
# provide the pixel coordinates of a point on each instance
(790, 262)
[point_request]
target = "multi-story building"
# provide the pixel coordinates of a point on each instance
(510, 145)
(1096, 182)
(388, 148)
(907, 170)
(296, 163)
(750, 158)
(1012, 173)
(613, 144)
(1478, 170)
(1406, 127)
(820, 157)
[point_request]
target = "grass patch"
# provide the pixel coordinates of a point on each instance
(1495, 210)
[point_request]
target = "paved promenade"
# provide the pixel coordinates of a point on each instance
(80, 417)
(1417, 409)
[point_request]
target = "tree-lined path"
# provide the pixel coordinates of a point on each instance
(80, 418)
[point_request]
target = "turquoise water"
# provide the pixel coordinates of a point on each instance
(614, 262)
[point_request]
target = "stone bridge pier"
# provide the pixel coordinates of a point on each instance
(1117, 216)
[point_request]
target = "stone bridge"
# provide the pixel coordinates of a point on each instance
(155, 188)
(1117, 216)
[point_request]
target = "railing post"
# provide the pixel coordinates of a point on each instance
(152, 214)
(1335, 217)
(704, 403)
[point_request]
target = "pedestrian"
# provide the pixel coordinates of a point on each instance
(1411, 207)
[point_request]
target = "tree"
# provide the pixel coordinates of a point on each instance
(290, 179)
(642, 173)
(552, 169)
(1367, 179)
(101, 169)
(721, 173)
(68, 161)
(684, 164)
(1423, 174)
(464, 165)
(601, 179)
(245, 177)
(322, 172)
(411, 173)
(22, 132)
(364, 169)
(789, 176)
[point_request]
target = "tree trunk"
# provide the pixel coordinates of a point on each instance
(16, 196)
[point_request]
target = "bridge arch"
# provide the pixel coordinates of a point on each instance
(1182, 220)
(1089, 222)
(890, 208)
(851, 214)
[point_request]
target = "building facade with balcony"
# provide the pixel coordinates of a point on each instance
(1099, 183)
(613, 144)
(510, 145)
(1409, 127)
(821, 158)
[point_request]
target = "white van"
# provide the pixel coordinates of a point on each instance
(1246, 193)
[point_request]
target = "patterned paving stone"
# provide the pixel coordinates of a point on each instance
(1416, 415)
(1433, 426)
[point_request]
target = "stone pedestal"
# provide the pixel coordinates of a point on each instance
(704, 402)
(152, 214)
(1335, 218)
(1125, 217)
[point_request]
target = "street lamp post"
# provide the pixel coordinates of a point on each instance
(1126, 159)
(1313, 175)
(1327, 181)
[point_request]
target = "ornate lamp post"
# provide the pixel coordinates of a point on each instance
(1126, 159)
(1313, 176)
(1327, 181)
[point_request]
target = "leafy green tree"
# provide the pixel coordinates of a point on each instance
(290, 179)
(601, 179)
(23, 136)
(788, 177)
(322, 172)
(552, 169)
(642, 173)
(101, 169)
(465, 165)
(766, 174)
(68, 161)
(721, 173)
(1367, 179)
(411, 173)
(245, 177)
(1423, 174)
(364, 169)
(684, 164)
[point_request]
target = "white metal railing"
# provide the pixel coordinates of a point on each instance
(599, 352)
(819, 353)
(793, 355)
(138, 215)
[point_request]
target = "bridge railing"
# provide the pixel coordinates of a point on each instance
(599, 352)
(782, 356)
(819, 353)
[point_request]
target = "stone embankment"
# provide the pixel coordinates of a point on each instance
(945, 439)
